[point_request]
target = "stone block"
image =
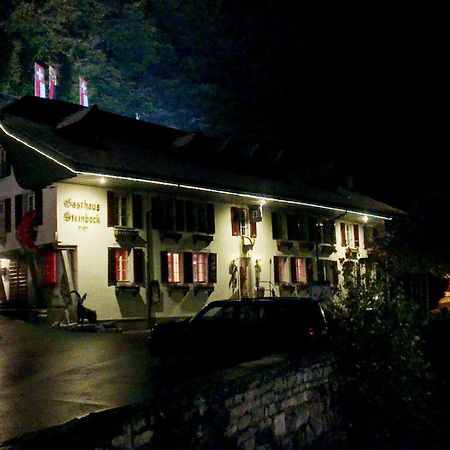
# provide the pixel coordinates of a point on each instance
(279, 424)
(143, 439)
(244, 422)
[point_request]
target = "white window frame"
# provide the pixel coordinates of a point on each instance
(122, 265)
(121, 211)
(200, 267)
(175, 267)
(300, 270)
(29, 204)
(282, 269)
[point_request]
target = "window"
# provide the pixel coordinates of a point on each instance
(125, 265)
(117, 265)
(299, 272)
(30, 202)
(5, 167)
(300, 228)
(279, 266)
(301, 269)
(26, 203)
(328, 233)
(121, 257)
(293, 227)
(328, 271)
(188, 267)
(174, 267)
(371, 234)
(124, 210)
(349, 235)
(200, 267)
(240, 223)
(182, 215)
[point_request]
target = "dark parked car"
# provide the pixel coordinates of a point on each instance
(235, 330)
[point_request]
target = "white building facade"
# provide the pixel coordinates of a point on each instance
(146, 250)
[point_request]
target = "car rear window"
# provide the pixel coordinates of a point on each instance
(251, 313)
(217, 313)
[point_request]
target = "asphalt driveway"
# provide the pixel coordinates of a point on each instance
(49, 376)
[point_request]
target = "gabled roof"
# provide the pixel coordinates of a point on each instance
(51, 140)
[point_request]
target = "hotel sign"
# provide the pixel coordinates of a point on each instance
(82, 213)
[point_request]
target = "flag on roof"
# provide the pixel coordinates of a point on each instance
(83, 92)
(39, 81)
(52, 82)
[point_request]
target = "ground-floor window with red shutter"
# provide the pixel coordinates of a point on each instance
(299, 273)
(279, 267)
(200, 267)
(121, 258)
(174, 267)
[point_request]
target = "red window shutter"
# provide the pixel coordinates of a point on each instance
(253, 229)
(7, 215)
(112, 219)
(309, 270)
(211, 225)
(49, 275)
(137, 210)
(276, 225)
(212, 268)
(138, 265)
(18, 201)
(111, 266)
(188, 274)
(38, 207)
(235, 215)
(116, 264)
(293, 270)
(164, 267)
(276, 269)
(356, 234)
(343, 238)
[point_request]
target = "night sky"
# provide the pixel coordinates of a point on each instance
(350, 85)
(377, 97)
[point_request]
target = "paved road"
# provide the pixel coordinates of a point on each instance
(49, 376)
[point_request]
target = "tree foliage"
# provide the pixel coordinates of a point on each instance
(383, 378)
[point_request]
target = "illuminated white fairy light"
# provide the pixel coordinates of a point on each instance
(193, 187)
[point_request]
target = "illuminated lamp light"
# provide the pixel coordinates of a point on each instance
(192, 187)
(365, 218)
(102, 180)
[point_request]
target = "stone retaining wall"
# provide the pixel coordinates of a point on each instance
(279, 402)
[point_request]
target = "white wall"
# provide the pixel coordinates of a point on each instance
(91, 240)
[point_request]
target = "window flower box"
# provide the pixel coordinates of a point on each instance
(208, 288)
(327, 249)
(284, 245)
(351, 253)
(305, 246)
(206, 238)
(301, 287)
(170, 235)
(177, 287)
(124, 288)
(286, 288)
